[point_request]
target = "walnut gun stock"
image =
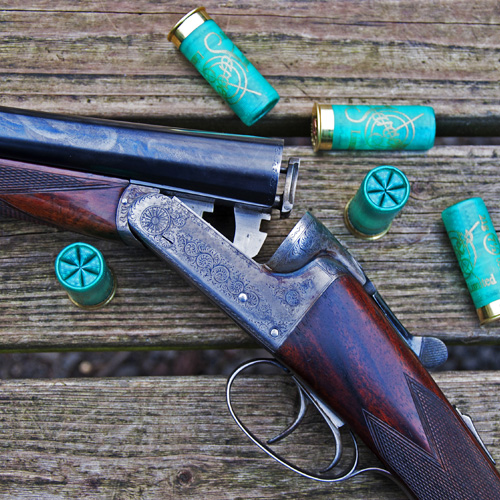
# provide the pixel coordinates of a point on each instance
(364, 370)
(70, 164)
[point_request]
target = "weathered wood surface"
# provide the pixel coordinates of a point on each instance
(113, 59)
(413, 265)
(173, 438)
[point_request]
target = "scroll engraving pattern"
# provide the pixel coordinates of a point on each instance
(252, 295)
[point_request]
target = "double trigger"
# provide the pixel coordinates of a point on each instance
(334, 422)
(306, 398)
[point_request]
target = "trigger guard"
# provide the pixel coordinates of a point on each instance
(264, 446)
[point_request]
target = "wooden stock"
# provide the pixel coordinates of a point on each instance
(76, 201)
(351, 357)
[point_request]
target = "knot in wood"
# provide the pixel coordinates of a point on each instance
(185, 477)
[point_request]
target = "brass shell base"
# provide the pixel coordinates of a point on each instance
(187, 25)
(322, 126)
(489, 313)
(359, 234)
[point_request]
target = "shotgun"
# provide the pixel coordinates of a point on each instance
(311, 305)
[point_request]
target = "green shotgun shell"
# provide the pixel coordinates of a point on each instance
(224, 66)
(476, 246)
(372, 127)
(83, 273)
(381, 196)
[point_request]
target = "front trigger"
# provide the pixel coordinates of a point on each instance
(332, 420)
(304, 403)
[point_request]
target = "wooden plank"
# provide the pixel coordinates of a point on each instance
(413, 265)
(173, 438)
(113, 59)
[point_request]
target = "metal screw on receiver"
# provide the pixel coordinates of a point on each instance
(381, 196)
(82, 271)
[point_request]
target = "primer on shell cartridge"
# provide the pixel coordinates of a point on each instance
(381, 196)
(224, 66)
(372, 127)
(83, 273)
(475, 243)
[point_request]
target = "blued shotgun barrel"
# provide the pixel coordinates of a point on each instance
(241, 169)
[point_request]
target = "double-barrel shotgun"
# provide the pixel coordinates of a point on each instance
(311, 305)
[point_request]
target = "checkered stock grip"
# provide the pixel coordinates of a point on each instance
(76, 201)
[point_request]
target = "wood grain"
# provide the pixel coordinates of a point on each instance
(173, 438)
(78, 201)
(413, 266)
(113, 59)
